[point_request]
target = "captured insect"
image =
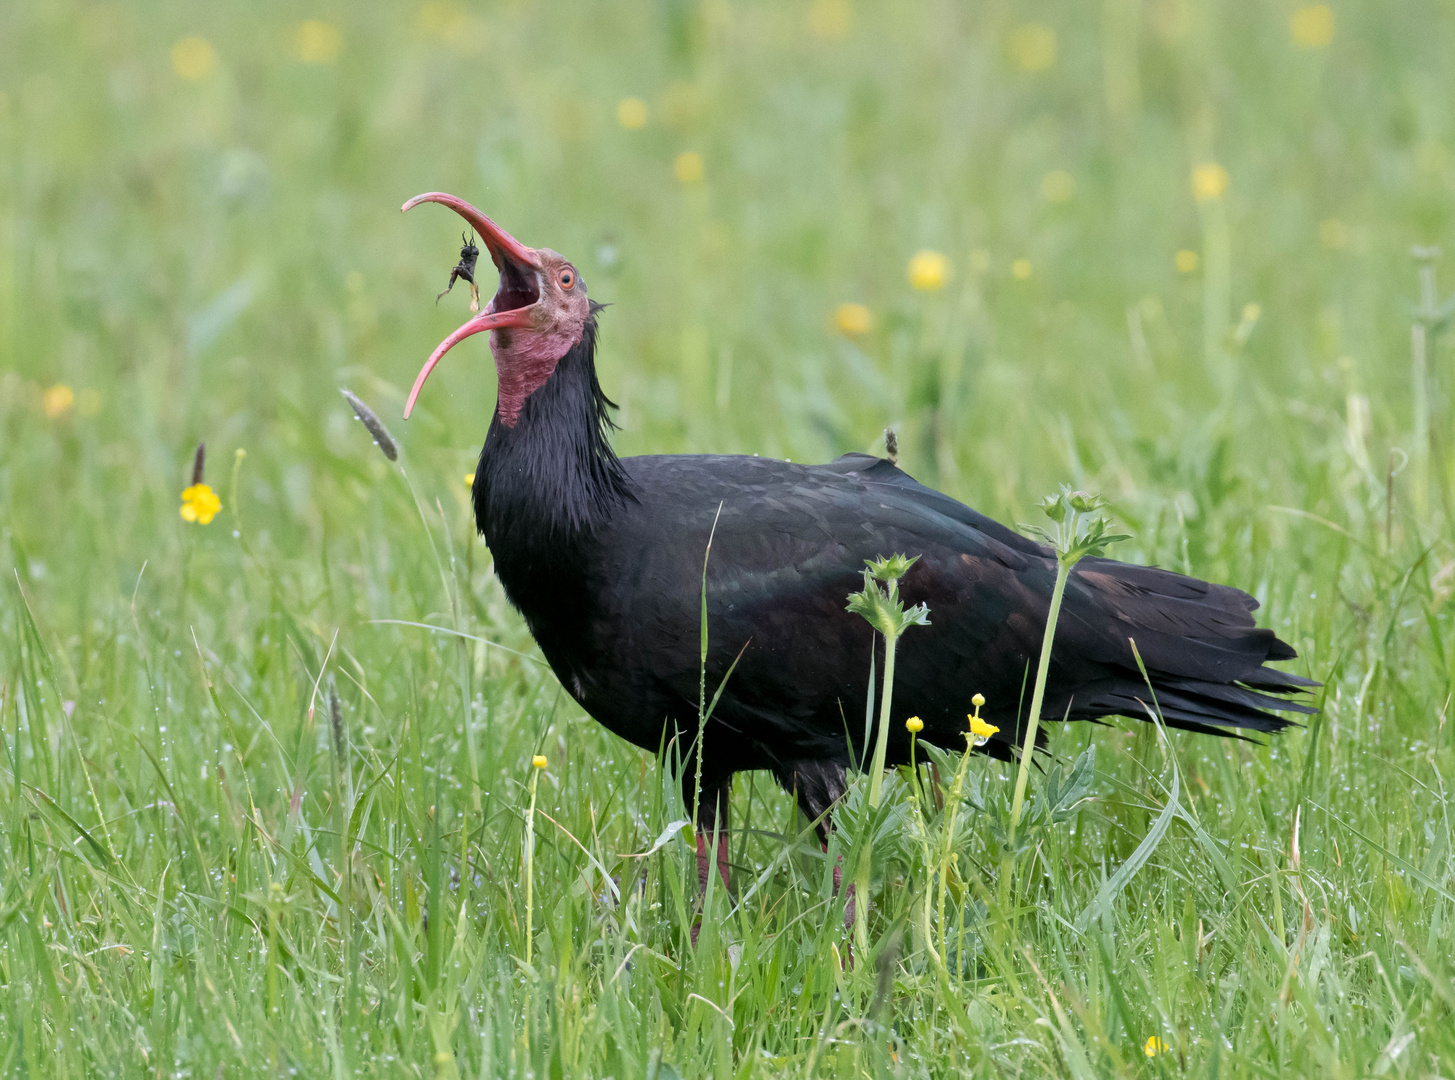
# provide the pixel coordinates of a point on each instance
(465, 268)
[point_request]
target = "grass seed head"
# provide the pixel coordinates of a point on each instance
(374, 424)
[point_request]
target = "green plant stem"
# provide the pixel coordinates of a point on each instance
(861, 908)
(947, 849)
(876, 794)
(530, 853)
(919, 813)
(1063, 571)
(881, 740)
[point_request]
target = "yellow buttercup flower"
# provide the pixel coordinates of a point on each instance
(928, 270)
(688, 167)
(318, 42)
(980, 731)
(631, 113)
(200, 504)
(915, 725)
(831, 19)
(1312, 27)
(1333, 234)
(539, 761)
(1186, 261)
(57, 400)
(1058, 186)
(450, 23)
(469, 479)
(194, 58)
(1154, 1046)
(1022, 269)
(853, 319)
(1209, 181)
(1033, 46)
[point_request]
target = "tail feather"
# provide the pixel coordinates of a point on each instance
(1198, 643)
(1227, 695)
(1207, 706)
(1279, 682)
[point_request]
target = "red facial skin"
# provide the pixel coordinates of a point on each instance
(546, 315)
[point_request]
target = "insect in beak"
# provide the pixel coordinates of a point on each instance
(465, 268)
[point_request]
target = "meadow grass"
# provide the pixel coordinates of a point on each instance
(266, 782)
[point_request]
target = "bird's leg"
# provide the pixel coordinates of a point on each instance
(704, 860)
(817, 786)
(712, 823)
(838, 884)
(849, 899)
(712, 827)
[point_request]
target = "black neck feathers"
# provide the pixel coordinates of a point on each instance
(547, 482)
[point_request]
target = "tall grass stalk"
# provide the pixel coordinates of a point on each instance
(922, 826)
(702, 711)
(706, 708)
(538, 766)
(947, 846)
(1430, 318)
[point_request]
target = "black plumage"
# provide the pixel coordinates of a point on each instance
(603, 557)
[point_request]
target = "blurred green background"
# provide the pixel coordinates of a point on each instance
(1155, 248)
(201, 234)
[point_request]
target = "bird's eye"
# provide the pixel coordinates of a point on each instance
(567, 279)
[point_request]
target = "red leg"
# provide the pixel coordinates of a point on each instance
(704, 860)
(838, 883)
(704, 869)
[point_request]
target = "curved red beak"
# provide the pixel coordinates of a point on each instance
(512, 259)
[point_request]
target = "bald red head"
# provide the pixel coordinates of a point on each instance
(537, 315)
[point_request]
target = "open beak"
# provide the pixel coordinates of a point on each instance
(515, 300)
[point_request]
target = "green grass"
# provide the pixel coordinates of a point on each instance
(197, 879)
